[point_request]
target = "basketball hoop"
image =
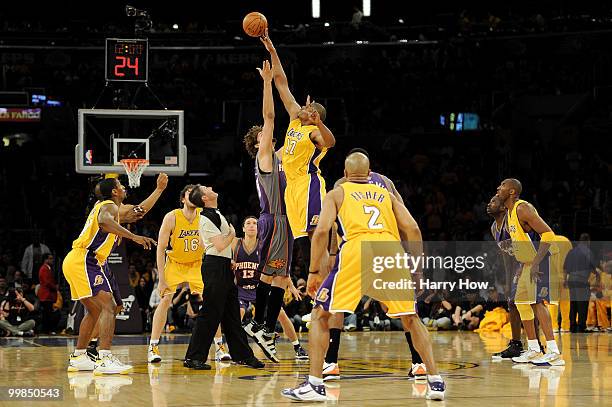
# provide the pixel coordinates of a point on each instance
(134, 167)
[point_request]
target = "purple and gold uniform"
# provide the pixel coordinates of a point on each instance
(524, 249)
(246, 273)
(366, 215)
(275, 240)
(84, 265)
(305, 185)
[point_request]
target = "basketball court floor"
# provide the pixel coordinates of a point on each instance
(373, 365)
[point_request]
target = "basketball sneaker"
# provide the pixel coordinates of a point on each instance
(109, 364)
(527, 356)
(418, 372)
(80, 363)
(306, 392)
(513, 350)
(435, 389)
(331, 371)
(548, 359)
(221, 354)
(153, 355)
(266, 341)
(108, 386)
(92, 350)
(300, 353)
(250, 328)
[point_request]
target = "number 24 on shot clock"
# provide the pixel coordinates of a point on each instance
(127, 60)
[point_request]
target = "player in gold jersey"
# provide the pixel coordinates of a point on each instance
(534, 247)
(83, 268)
(180, 264)
(366, 214)
(306, 143)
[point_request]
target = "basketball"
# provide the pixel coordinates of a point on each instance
(255, 24)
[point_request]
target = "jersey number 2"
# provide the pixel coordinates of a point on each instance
(374, 213)
(194, 243)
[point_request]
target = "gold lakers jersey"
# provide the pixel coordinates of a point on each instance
(300, 155)
(185, 239)
(95, 239)
(366, 209)
(524, 244)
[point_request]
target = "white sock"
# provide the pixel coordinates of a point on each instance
(154, 342)
(78, 352)
(434, 378)
(296, 342)
(317, 381)
(104, 353)
(533, 344)
(551, 346)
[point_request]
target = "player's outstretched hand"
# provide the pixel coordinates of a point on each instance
(145, 242)
(267, 42)
(295, 292)
(266, 71)
(162, 181)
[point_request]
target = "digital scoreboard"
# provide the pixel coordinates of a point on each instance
(127, 60)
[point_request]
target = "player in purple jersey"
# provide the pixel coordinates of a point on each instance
(497, 211)
(331, 370)
(275, 242)
(246, 274)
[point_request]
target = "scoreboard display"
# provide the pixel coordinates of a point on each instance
(127, 60)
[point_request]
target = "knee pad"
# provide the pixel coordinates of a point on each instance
(525, 311)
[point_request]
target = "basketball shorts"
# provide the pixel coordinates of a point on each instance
(178, 273)
(84, 274)
(275, 245)
(246, 297)
(112, 280)
(342, 290)
(527, 291)
(303, 199)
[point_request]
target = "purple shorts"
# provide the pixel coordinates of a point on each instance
(112, 280)
(246, 297)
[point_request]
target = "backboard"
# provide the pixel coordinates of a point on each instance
(108, 135)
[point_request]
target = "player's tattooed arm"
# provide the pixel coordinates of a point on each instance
(106, 220)
(163, 239)
(266, 146)
(133, 213)
(280, 79)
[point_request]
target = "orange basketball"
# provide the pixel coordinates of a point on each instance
(255, 24)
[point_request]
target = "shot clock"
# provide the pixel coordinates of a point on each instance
(127, 60)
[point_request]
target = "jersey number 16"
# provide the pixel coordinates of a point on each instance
(193, 244)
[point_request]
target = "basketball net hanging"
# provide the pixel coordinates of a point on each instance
(134, 167)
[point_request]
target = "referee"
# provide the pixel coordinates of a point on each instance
(220, 295)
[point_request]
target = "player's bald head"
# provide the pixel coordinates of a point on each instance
(357, 164)
(514, 184)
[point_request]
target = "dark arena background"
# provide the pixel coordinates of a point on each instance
(450, 100)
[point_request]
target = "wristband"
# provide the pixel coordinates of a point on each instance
(333, 254)
(313, 272)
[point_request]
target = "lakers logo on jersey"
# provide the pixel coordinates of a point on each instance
(315, 220)
(187, 233)
(98, 280)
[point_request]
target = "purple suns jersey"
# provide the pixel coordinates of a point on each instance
(247, 276)
(502, 237)
(271, 188)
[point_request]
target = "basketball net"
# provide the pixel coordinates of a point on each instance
(134, 167)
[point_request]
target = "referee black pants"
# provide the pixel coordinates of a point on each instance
(219, 306)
